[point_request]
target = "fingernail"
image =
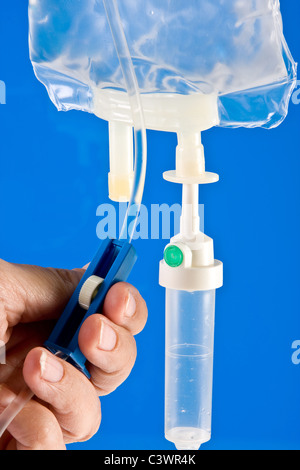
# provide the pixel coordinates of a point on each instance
(108, 338)
(51, 369)
(130, 306)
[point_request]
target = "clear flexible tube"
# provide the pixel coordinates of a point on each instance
(123, 52)
(121, 45)
(14, 408)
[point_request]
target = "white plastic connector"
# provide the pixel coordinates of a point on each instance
(120, 179)
(190, 159)
(190, 162)
(166, 112)
(199, 271)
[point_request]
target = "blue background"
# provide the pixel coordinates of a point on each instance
(53, 176)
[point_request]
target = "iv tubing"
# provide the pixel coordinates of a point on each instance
(123, 52)
(14, 408)
(121, 45)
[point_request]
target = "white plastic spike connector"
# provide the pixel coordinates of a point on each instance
(190, 160)
(89, 290)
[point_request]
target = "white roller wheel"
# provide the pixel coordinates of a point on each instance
(89, 290)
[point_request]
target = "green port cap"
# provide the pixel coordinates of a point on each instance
(173, 256)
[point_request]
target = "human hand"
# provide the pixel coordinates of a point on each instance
(66, 407)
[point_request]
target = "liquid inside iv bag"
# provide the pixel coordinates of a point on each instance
(233, 50)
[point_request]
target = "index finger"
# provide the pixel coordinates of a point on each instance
(32, 293)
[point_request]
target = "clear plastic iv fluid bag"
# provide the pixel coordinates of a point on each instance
(233, 49)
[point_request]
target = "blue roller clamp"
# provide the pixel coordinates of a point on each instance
(113, 263)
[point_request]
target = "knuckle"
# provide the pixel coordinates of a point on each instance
(64, 278)
(93, 429)
(48, 433)
(84, 429)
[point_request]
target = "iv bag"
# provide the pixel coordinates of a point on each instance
(231, 49)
